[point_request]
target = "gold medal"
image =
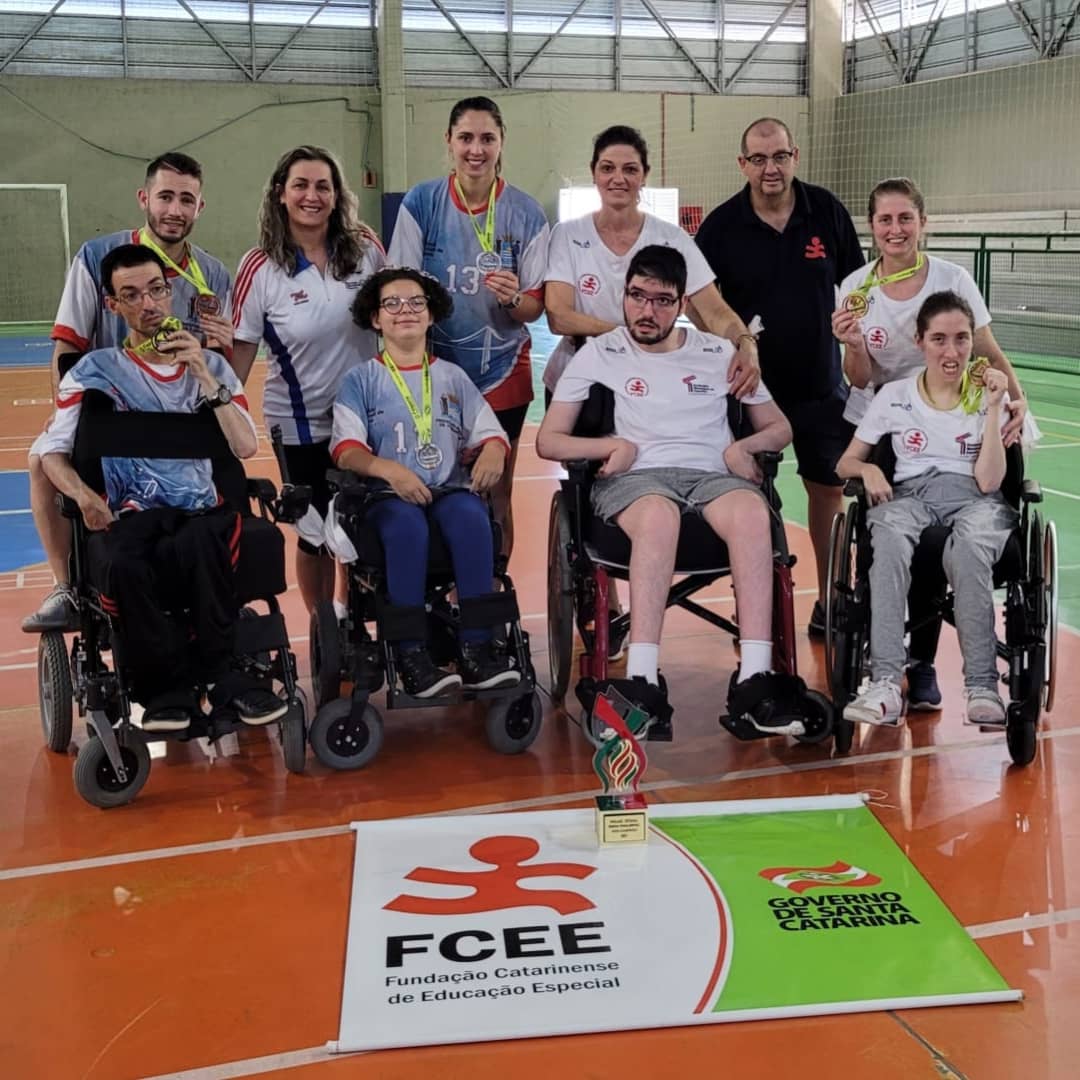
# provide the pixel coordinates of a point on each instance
(857, 304)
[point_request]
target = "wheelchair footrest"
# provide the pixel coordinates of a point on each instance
(742, 729)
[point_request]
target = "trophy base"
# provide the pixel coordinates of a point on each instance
(622, 819)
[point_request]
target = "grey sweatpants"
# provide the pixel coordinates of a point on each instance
(981, 525)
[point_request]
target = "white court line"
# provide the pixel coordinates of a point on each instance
(1054, 420)
(1056, 446)
(1024, 922)
(262, 839)
(9, 513)
(1063, 494)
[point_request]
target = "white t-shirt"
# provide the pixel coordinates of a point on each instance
(671, 405)
(312, 340)
(924, 438)
(578, 257)
(889, 326)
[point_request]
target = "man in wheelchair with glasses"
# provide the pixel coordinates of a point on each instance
(672, 452)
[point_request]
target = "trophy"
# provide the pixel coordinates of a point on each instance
(622, 815)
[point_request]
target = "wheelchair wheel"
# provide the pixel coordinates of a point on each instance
(1021, 735)
(836, 539)
(324, 648)
(294, 733)
(818, 720)
(512, 724)
(560, 599)
(1050, 587)
(54, 691)
(344, 737)
(95, 780)
(843, 643)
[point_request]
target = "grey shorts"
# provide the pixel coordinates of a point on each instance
(689, 489)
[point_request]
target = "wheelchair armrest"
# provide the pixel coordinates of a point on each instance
(854, 488)
(1031, 492)
(67, 506)
(292, 504)
(580, 470)
(769, 461)
(344, 479)
(262, 489)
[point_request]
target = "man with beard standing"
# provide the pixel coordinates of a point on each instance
(779, 248)
(171, 199)
(672, 453)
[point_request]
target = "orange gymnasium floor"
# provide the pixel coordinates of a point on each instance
(200, 931)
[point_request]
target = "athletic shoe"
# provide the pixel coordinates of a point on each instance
(58, 611)
(880, 703)
(923, 694)
(816, 626)
(259, 706)
(168, 712)
(769, 701)
(650, 697)
(420, 677)
(483, 667)
(984, 708)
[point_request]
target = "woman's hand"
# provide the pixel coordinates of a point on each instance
(847, 328)
(489, 466)
(406, 484)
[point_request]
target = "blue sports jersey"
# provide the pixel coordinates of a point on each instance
(370, 412)
(85, 322)
(135, 384)
(433, 233)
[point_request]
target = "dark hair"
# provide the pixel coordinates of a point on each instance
(478, 104)
(367, 299)
(766, 121)
(938, 304)
(346, 235)
(126, 257)
(175, 162)
(620, 135)
(896, 185)
(661, 263)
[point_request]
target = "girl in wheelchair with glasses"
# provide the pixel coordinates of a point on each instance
(418, 427)
(946, 426)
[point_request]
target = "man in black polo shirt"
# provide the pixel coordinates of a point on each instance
(779, 248)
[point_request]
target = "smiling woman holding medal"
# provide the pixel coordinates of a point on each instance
(486, 242)
(293, 291)
(879, 302)
(411, 421)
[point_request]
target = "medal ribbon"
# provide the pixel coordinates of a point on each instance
(486, 236)
(873, 281)
(422, 419)
(169, 325)
(193, 274)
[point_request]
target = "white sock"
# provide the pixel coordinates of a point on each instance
(340, 610)
(643, 659)
(756, 656)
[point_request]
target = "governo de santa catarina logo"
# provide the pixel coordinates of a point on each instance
(800, 878)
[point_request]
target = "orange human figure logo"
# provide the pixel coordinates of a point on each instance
(498, 888)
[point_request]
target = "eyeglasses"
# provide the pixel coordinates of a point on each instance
(780, 159)
(134, 296)
(394, 304)
(663, 302)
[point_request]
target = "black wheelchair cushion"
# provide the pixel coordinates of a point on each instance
(260, 570)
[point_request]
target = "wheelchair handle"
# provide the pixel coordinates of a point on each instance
(278, 444)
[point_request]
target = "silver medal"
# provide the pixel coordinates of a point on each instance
(429, 456)
(488, 261)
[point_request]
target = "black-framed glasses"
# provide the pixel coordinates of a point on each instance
(780, 158)
(393, 304)
(663, 302)
(134, 296)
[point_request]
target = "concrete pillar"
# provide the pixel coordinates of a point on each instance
(391, 44)
(825, 83)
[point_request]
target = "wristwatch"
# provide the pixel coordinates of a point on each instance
(514, 303)
(222, 396)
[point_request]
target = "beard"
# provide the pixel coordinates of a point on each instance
(650, 336)
(168, 232)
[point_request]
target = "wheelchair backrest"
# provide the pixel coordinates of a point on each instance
(104, 431)
(597, 416)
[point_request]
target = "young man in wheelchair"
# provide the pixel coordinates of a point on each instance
(160, 542)
(672, 453)
(945, 425)
(419, 428)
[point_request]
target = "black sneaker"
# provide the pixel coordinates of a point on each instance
(169, 712)
(259, 706)
(648, 696)
(421, 678)
(483, 667)
(816, 626)
(923, 693)
(58, 611)
(769, 701)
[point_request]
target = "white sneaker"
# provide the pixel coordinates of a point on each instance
(983, 708)
(880, 703)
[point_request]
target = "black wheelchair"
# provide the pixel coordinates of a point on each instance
(347, 731)
(114, 764)
(585, 555)
(1027, 571)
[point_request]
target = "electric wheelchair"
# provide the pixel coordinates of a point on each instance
(1027, 571)
(347, 731)
(585, 555)
(114, 764)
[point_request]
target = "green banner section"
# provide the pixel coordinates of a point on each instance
(824, 907)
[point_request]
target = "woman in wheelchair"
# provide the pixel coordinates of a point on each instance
(419, 428)
(947, 425)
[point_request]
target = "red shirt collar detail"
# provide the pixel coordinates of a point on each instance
(408, 367)
(178, 374)
(500, 183)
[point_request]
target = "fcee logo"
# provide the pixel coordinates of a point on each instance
(694, 387)
(498, 888)
(589, 285)
(914, 441)
(877, 337)
(800, 878)
(636, 387)
(299, 297)
(816, 249)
